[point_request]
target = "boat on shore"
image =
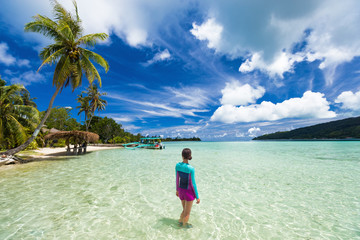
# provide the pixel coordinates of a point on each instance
(148, 143)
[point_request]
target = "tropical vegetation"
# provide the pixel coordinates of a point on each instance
(348, 128)
(91, 101)
(68, 52)
(177, 139)
(60, 119)
(18, 115)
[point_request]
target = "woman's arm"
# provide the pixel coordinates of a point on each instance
(177, 180)
(194, 183)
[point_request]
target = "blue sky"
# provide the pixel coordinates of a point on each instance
(218, 70)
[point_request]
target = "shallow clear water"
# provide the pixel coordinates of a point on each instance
(248, 190)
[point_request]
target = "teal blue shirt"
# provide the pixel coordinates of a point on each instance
(185, 177)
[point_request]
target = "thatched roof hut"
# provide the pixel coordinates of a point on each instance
(52, 130)
(80, 135)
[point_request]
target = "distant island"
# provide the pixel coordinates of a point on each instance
(180, 139)
(345, 129)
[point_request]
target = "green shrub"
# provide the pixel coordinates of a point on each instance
(117, 139)
(33, 145)
(58, 143)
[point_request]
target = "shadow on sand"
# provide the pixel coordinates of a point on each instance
(169, 222)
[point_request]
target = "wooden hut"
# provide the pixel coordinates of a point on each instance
(80, 138)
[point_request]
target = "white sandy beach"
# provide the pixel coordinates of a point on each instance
(53, 152)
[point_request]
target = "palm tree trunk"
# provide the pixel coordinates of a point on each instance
(37, 130)
(88, 125)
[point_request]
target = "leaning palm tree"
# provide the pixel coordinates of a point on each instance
(15, 117)
(68, 52)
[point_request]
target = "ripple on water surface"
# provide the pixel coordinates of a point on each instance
(248, 190)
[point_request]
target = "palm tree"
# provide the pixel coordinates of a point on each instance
(25, 96)
(84, 106)
(93, 102)
(15, 117)
(96, 102)
(72, 60)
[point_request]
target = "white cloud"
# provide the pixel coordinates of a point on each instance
(266, 32)
(262, 31)
(129, 127)
(136, 22)
(310, 105)
(236, 94)
(23, 63)
(187, 129)
(253, 131)
(349, 100)
(239, 134)
(283, 62)
(189, 96)
(155, 108)
(28, 78)
(122, 119)
(174, 131)
(159, 57)
(221, 135)
(209, 31)
(5, 57)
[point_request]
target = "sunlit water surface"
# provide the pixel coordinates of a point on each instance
(248, 190)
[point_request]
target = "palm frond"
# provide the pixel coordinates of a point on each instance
(45, 26)
(9, 92)
(62, 71)
(76, 75)
(65, 29)
(59, 11)
(96, 58)
(53, 57)
(28, 112)
(92, 39)
(17, 130)
(76, 11)
(91, 72)
(49, 50)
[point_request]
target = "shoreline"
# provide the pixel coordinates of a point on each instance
(44, 154)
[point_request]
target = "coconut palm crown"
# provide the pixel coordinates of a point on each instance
(67, 52)
(71, 59)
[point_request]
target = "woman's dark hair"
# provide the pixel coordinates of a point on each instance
(186, 153)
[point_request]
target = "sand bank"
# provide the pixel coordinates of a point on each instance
(42, 154)
(54, 152)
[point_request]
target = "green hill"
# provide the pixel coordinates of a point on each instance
(348, 128)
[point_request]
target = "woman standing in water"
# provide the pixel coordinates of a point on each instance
(186, 186)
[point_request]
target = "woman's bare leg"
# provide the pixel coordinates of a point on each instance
(182, 213)
(187, 210)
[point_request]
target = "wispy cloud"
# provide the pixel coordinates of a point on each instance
(155, 107)
(7, 59)
(28, 78)
(190, 96)
(159, 57)
(120, 119)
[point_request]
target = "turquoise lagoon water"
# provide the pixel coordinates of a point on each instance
(248, 190)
